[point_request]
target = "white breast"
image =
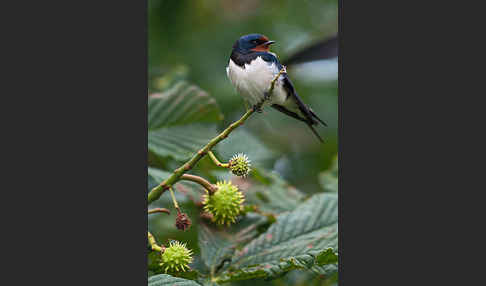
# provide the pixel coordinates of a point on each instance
(255, 79)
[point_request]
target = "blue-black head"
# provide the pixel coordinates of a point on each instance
(252, 43)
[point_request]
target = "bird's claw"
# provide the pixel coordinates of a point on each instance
(258, 107)
(266, 95)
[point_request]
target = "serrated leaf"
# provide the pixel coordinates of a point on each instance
(180, 142)
(168, 280)
(296, 241)
(218, 244)
(181, 104)
(329, 179)
(176, 120)
(326, 257)
(326, 270)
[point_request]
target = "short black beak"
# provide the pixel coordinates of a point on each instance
(268, 43)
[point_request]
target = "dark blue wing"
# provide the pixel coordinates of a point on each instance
(242, 59)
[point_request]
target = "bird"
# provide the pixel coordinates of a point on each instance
(251, 70)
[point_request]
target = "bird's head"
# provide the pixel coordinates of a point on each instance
(253, 43)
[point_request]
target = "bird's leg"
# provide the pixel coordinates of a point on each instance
(266, 95)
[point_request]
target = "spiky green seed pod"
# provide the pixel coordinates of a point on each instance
(224, 204)
(240, 165)
(176, 257)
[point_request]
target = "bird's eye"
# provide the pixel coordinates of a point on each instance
(254, 41)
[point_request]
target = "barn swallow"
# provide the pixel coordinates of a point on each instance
(251, 69)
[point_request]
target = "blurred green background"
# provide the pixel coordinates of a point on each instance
(193, 40)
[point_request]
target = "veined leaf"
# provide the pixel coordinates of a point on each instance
(180, 142)
(181, 104)
(168, 280)
(176, 120)
(219, 244)
(326, 270)
(301, 239)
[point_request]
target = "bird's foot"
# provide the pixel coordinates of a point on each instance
(266, 95)
(258, 107)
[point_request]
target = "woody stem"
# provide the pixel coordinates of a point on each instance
(159, 210)
(201, 181)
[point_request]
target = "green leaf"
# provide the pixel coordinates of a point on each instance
(326, 270)
(180, 142)
(168, 280)
(326, 257)
(301, 239)
(275, 197)
(215, 246)
(218, 244)
(329, 179)
(181, 104)
(156, 175)
(178, 121)
(153, 261)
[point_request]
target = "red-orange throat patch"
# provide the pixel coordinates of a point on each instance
(262, 47)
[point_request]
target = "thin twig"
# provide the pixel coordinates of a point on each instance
(159, 210)
(216, 161)
(176, 205)
(201, 181)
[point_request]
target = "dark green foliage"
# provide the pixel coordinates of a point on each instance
(279, 229)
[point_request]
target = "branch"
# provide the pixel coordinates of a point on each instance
(159, 210)
(201, 181)
(156, 192)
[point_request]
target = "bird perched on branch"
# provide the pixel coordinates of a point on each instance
(251, 69)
